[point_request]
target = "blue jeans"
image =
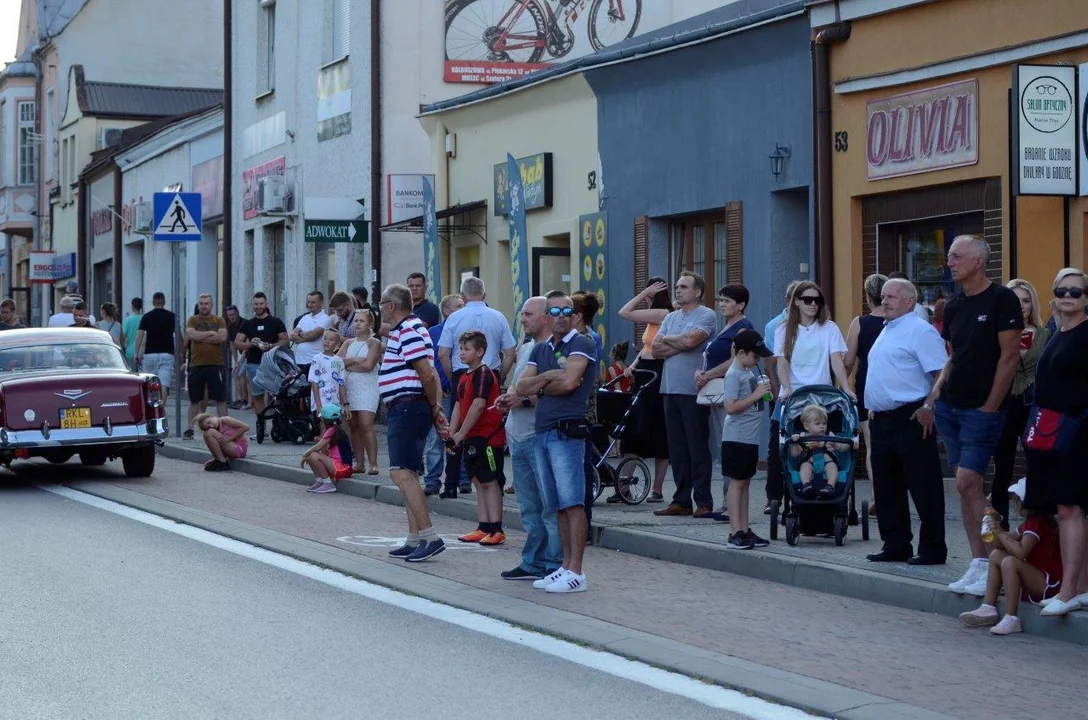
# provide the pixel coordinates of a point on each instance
(970, 436)
(435, 451)
(559, 465)
(543, 551)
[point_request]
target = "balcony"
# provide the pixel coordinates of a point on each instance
(16, 206)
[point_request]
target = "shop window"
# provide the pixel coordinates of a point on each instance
(920, 250)
(710, 245)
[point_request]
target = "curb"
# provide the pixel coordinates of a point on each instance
(859, 584)
(778, 686)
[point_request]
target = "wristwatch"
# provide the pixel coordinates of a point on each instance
(526, 402)
(927, 407)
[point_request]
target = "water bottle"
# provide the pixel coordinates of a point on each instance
(988, 523)
(767, 396)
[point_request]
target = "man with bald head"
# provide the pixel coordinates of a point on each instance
(982, 326)
(543, 552)
(904, 362)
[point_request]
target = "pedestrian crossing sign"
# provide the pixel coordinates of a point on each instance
(177, 217)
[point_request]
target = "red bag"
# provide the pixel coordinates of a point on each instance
(1050, 431)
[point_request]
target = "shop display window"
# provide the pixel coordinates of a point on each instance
(920, 250)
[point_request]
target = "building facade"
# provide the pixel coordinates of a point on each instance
(20, 150)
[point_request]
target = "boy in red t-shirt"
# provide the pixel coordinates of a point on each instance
(477, 424)
(1027, 562)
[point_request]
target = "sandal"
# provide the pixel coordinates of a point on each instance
(372, 471)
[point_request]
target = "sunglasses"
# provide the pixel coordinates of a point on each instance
(557, 311)
(1073, 292)
(811, 299)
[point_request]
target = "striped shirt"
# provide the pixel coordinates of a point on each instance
(408, 341)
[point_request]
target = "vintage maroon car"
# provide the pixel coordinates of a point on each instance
(65, 391)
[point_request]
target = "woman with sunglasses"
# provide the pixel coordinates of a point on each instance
(1058, 478)
(809, 346)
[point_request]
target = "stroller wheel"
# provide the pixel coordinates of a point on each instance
(260, 431)
(840, 530)
(864, 519)
(597, 485)
(793, 534)
(299, 432)
(633, 481)
(277, 433)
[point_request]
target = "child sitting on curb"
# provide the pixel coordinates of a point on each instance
(225, 437)
(330, 458)
(1027, 563)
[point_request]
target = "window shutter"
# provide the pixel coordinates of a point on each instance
(341, 28)
(734, 243)
(642, 267)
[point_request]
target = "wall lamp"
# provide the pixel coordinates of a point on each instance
(778, 157)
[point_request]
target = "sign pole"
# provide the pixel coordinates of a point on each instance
(175, 262)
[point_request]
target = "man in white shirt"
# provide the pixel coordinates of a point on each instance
(307, 334)
(904, 362)
(65, 317)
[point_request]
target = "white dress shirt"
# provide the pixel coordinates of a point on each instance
(901, 361)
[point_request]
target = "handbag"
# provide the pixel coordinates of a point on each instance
(1051, 432)
(713, 393)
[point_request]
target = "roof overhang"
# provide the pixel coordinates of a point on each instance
(415, 224)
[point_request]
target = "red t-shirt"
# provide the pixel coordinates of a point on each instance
(1046, 555)
(482, 383)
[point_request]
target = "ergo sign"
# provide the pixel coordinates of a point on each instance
(922, 131)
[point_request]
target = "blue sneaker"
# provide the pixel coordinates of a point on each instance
(429, 489)
(425, 551)
(403, 551)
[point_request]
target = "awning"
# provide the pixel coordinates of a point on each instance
(416, 224)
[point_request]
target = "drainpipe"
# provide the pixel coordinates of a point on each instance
(821, 96)
(375, 148)
(38, 312)
(118, 254)
(228, 156)
(81, 237)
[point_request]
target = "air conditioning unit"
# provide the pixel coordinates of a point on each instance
(108, 137)
(272, 194)
(143, 218)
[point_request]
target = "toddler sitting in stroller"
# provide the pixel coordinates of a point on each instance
(817, 456)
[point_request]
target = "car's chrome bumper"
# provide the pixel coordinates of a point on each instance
(152, 431)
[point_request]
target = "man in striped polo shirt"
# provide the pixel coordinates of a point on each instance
(412, 395)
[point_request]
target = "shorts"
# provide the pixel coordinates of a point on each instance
(970, 436)
(739, 460)
(559, 467)
(210, 378)
(407, 426)
(481, 467)
(251, 371)
(340, 471)
(161, 365)
(241, 446)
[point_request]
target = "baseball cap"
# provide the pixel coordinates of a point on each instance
(330, 411)
(751, 341)
(1020, 489)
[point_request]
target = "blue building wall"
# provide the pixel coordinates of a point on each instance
(688, 131)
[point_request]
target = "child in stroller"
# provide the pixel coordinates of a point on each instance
(289, 409)
(817, 457)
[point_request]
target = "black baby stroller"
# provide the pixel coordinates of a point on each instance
(289, 406)
(616, 417)
(826, 515)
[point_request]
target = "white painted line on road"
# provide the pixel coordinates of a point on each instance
(656, 678)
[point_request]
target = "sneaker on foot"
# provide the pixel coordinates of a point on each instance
(569, 583)
(495, 538)
(971, 576)
(548, 579)
(403, 551)
(739, 541)
(1057, 607)
(448, 495)
(429, 490)
(314, 485)
(807, 491)
(1009, 624)
(519, 574)
(983, 616)
(326, 487)
(426, 551)
(465, 489)
(756, 539)
(978, 588)
(218, 467)
(188, 434)
(473, 537)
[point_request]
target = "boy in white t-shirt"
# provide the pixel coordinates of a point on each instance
(327, 375)
(745, 394)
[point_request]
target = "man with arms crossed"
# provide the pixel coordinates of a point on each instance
(258, 335)
(982, 326)
(561, 372)
(207, 335)
(308, 331)
(412, 395)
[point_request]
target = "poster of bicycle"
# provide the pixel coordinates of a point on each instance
(489, 41)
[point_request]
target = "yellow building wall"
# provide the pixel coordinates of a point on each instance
(559, 117)
(933, 33)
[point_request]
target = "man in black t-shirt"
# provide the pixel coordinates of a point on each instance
(982, 327)
(156, 343)
(259, 334)
(423, 308)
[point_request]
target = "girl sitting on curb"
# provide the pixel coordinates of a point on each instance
(1027, 561)
(226, 438)
(330, 458)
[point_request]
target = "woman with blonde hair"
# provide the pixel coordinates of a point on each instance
(1033, 339)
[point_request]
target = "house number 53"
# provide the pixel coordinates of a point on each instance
(841, 141)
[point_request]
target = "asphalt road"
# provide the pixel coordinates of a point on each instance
(103, 616)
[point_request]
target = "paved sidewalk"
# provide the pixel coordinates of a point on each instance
(816, 563)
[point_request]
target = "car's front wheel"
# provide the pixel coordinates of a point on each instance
(92, 458)
(139, 462)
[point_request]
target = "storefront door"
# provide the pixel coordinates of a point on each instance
(920, 250)
(551, 270)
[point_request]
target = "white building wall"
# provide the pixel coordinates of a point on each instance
(336, 168)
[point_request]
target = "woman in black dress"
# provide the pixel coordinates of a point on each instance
(652, 441)
(859, 340)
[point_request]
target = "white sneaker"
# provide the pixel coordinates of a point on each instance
(978, 588)
(983, 616)
(544, 582)
(974, 570)
(1009, 624)
(1057, 607)
(569, 583)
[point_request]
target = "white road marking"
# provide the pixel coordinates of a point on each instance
(663, 680)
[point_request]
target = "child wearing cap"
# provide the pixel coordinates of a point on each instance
(744, 392)
(330, 458)
(1027, 562)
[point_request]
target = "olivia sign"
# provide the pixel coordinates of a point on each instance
(922, 131)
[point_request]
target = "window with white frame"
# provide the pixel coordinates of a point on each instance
(28, 143)
(340, 16)
(266, 47)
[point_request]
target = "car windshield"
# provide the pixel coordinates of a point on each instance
(66, 356)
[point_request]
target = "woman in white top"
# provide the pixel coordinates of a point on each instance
(809, 346)
(361, 355)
